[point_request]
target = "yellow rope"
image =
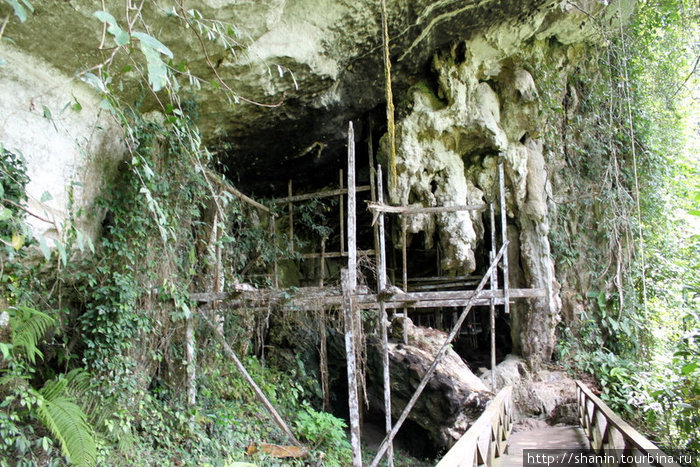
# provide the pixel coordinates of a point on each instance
(391, 128)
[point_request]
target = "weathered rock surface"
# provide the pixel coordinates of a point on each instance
(454, 396)
(547, 394)
(320, 60)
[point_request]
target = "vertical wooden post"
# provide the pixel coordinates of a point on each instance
(322, 266)
(441, 353)
(349, 299)
(404, 262)
(504, 237)
(273, 232)
(342, 215)
(372, 171)
(492, 306)
(190, 357)
(290, 207)
(382, 321)
(323, 357)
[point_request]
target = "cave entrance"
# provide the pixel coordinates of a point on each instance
(431, 300)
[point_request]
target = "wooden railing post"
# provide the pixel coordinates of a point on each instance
(604, 428)
(485, 442)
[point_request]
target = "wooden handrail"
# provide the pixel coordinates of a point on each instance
(486, 440)
(610, 436)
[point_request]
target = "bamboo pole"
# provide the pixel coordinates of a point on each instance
(258, 392)
(322, 266)
(504, 237)
(342, 213)
(223, 184)
(350, 284)
(290, 208)
(492, 304)
(441, 353)
(323, 357)
(382, 320)
(320, 194)
(273, 232)
(190, 356)
(404, 263)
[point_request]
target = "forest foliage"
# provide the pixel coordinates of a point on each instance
(71, 378)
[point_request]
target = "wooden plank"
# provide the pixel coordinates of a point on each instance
(349, 286)
(382, 319)
(341, 209)
(492, 305)
(462, 294)
(290, 208)
(336, 254)
(504, 237)
(319, 194)
(333, 296)
(404, 267)
(441, 353)
(441, 279)
(442, 287)
(407, 210)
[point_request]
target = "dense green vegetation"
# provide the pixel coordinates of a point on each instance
(635, 143)
(74, 385)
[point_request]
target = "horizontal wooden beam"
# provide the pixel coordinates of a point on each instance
(377, 207)
(311, 298)
(336, 254)
(223, 184)
(318, 194)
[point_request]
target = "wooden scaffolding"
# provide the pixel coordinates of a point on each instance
(352, 297)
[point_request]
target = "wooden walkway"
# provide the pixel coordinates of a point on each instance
(602, 438)
(551, 437)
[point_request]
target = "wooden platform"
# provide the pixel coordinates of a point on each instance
(315, 298)
(551, 437)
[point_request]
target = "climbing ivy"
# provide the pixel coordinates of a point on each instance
(623, 127)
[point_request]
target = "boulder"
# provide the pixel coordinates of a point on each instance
(454, 396)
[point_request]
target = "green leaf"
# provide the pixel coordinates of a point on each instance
(28, 4)
(5, 213)
(5, 350)
(689, 368)
(18, 9)
(47, 112)
(157, 71)
(61, 251)
(121, 37)
(80, 239)
(44, 248)
(45, 196)
(106, 17)
(77, 107)
(94, 81)
(152, 43)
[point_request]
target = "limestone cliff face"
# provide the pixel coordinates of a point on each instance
(468, 72)
(481, 106)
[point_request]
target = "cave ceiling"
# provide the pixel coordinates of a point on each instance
(318, 63)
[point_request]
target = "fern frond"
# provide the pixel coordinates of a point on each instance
(68, 423)
(78, 381)
(28, 326)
